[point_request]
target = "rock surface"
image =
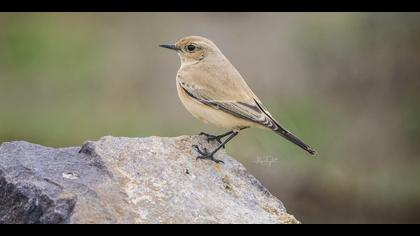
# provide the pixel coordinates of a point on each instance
(130, 180)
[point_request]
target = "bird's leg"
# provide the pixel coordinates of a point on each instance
(204, 154)
(218, 138)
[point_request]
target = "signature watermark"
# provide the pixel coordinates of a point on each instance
(266, 160)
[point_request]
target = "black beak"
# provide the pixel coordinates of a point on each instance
(169, 46)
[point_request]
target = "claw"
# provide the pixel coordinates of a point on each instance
(204, 154)
(217, 161)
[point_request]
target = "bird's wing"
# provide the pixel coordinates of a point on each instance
(245, 107)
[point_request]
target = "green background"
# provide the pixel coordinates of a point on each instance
(346, 83)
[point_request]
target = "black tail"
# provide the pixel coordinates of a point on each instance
(271, 123)
(292, 138)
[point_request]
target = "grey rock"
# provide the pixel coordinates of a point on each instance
(130, 180)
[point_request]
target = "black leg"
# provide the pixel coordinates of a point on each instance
(218, 138)
(204, 154)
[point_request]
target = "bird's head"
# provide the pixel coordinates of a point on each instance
(193, 49)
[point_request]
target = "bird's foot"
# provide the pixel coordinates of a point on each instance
(211, 137)
(205, 154)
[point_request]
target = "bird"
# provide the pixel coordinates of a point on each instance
(213, 91)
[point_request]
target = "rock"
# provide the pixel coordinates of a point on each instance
(130, 180)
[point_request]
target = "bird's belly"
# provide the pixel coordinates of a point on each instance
(211, 115)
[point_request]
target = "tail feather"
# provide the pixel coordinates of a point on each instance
(292, 138)
(272, 124)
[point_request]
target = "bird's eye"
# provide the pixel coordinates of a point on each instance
(190, 47)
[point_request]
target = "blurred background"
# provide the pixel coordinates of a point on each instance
(346, 83)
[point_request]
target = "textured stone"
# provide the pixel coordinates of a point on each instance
(130, 180)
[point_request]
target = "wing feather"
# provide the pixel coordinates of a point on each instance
(248, 110)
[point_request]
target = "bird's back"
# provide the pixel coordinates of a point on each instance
(220, 80)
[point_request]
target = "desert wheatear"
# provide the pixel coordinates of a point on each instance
(214, 92)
